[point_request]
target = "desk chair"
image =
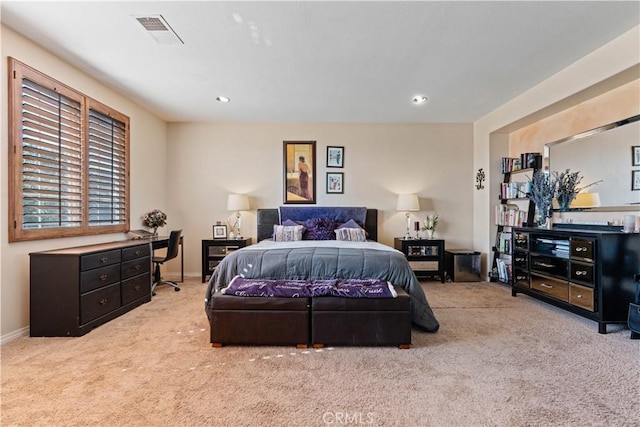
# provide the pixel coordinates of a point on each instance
(172, 252)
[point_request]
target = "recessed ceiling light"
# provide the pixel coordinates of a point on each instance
(419, 99)
(223, 99)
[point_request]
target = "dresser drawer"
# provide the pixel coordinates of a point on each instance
(521, 279)
(99, 302)
(549, 265)
(87, 262)
(99, 277)
(581, 297)
(136, 252)
(135, 288)
(583, 249)
(424, 265)
(521, 241)
(552, 287)
(582, 273)
(520, 260)
(135, 267)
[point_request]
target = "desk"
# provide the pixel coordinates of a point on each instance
(160, 242)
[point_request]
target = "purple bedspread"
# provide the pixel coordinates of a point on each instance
(346, 288)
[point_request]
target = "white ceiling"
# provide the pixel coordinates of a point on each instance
(323, 61)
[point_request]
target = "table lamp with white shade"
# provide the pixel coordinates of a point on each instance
(237, 203)
(408, 203)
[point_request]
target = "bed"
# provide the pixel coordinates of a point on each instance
(313, 260)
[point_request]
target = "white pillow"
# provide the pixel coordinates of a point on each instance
(351, 234)
(285, 233)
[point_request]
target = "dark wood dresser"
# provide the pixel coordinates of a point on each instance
(73, 290)
(590, 273)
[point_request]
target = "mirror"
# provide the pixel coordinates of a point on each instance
(603, 154)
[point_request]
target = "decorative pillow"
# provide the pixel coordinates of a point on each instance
(283, 233)
(351, 234)
(319, 229)
(349, 224)
(291, 223)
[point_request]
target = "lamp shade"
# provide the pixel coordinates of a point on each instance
(237, 202)
(408, 202)
(586, 200)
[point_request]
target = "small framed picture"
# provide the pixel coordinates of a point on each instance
(335, 157)
(219, 231)
(635, 155)
(635, 180)
(335, 182)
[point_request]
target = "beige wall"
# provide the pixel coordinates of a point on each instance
(491, 140)
(209, 161)
(148, 180)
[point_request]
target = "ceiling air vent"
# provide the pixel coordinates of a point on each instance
(159, 29)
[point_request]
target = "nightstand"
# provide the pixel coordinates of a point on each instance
(426, 257)
(213, 251)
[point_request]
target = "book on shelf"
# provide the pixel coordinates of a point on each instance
(525, 161)
(515, 190)
(503, 242)
(504, 270)
(510, 215)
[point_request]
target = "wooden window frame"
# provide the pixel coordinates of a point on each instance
(17, 72)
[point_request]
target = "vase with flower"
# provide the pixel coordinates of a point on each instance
(154, 219)
(567, 187)
(430, 224)
(543, 189)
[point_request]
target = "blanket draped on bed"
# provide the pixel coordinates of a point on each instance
(324, 262)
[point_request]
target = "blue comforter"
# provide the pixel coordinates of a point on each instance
(330, 259)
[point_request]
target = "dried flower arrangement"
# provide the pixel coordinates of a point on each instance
(154, 219)
(543, 189)
(567, 187)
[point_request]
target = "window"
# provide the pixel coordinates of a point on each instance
(68, 160)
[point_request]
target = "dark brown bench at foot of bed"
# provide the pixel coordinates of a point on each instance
(259, 321)
(320, 321)
(361, 321)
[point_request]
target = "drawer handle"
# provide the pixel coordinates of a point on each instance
(103, 277)
(544, 264)
(544, 285)
(138, 267)
(138, 252)
(104, 301)
(581, 273)
(579, 296)
(581, 249)
(137, 287)
(104, 259)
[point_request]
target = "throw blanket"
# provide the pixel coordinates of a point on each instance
(346, 288)
(321, 260)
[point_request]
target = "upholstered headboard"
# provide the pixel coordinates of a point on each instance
(267, 218)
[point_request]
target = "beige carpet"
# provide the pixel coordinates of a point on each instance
(496, 361)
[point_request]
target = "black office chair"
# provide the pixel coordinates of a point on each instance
(172, 252)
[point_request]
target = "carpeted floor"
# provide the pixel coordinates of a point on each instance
(496, 361)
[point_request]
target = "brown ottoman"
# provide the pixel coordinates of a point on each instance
(361, 321)
(259, 320)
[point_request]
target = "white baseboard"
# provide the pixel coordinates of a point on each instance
(14, 335)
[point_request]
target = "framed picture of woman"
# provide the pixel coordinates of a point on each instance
(335, 183)
(299, 171)
(335, 157)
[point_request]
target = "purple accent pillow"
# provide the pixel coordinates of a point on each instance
(319, 229)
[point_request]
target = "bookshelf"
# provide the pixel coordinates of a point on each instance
(514, 209)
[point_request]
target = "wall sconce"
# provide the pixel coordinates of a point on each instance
(238, 202)
(480, 177)
(408, 203)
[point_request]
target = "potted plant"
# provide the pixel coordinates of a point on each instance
(430, 224)
(568, 189)
(543, 189)
(154, 219)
